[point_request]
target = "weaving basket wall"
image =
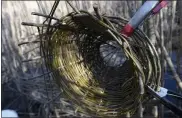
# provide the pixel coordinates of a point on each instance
(99, 70)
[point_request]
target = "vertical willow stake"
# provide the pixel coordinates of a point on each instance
(173, 14)
(140, 110)
(179, 54)
(128, 115)
(162, 57)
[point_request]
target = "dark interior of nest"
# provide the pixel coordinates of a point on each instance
(100, 71)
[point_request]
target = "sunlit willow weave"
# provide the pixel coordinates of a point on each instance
(99, 70)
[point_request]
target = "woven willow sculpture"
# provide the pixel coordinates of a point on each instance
(99, 70)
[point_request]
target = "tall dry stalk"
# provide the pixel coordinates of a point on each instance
(179, 51)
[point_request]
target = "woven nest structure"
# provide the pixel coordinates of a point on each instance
(99, 70)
